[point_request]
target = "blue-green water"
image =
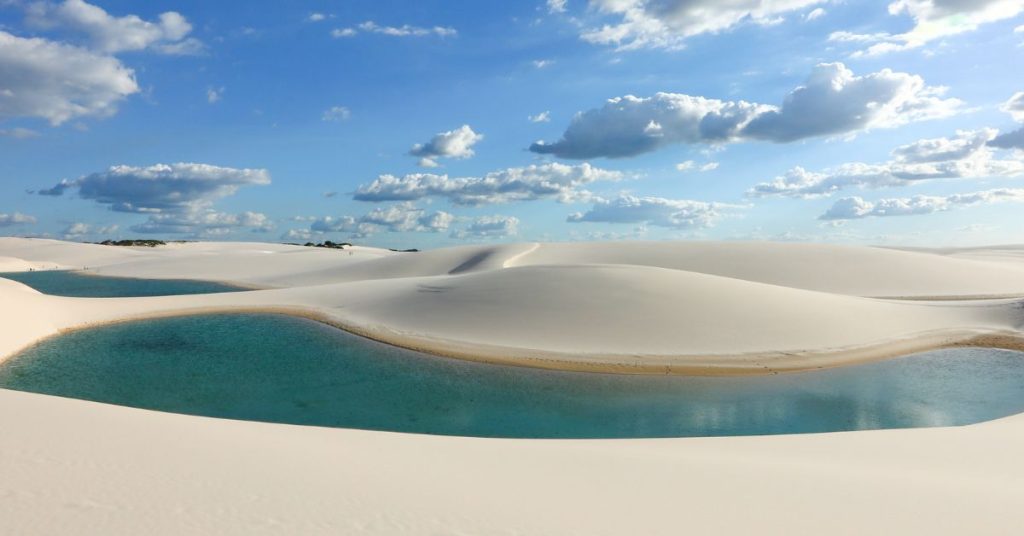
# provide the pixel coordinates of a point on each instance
(282, 369)
(68, 283)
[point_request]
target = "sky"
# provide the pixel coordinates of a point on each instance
(428, 123)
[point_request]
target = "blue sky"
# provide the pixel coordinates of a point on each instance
(423, 124)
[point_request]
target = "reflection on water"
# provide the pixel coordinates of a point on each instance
(67, 283)
(282, 369)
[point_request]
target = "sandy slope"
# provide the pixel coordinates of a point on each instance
(74, 467)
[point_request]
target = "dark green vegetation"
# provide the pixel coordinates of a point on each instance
(328, 244)
(282, 369)
(144, 243)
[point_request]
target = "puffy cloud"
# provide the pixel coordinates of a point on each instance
(111, 34)
(552, 180)
(667, 23)
(336, 113)
(202, 222)
(456, 143)
(58, 82)
(851, 208)
(543, 117)
(964, 156)
(686, 165)
(17, 218)
(672, 213)
(540, 64)
(316, 17)
(832, 101)
(403, 217)
(934, 19)
(161, 188)
(395, 31)
(495, 226)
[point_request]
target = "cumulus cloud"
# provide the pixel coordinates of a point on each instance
(316, 17)
(560, 181)
(495, 226)
(17, 218)
(336, 113)
(161, 188)
(456, 143)
(58, 82)
(405, 30)
(658, 211)
(109, 34)
(403, 217)
(852, 208)
(1010, 140)
(964, 156)
(933, 19)
(667, 23)
(832, 101)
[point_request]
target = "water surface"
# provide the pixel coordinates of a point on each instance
(276, 368)
(76, 284)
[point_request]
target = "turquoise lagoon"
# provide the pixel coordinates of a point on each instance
(276, 368)
(76, 284)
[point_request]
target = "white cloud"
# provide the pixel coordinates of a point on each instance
(214, 94)
(710, 166)
(336, 113)
(686, 165)
(964, 156)
(18, 133)
(456, 143)
(344, 32)
(540, 64)
(58, 82)
(203, 222)
(111, 34)
(304, 235)
(1015, 106)
(17, 218)
(495, 226)
(553, 180)
(77, 230)
(832, 101)
(556, 6)
(815, 14)
(403, 217)
(1010, 140)
(162, 188)
(667, 23)
(935, 19)
(657, 211)
(405, 30)
(851, 208)
(543, 117)
(316, 17)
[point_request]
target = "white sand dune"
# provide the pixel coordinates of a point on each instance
(625, 307)
(78, 467)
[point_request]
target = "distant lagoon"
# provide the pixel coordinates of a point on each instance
(276, 368)
(82, 285)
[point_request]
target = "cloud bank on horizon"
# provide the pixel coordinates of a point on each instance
(653, 118)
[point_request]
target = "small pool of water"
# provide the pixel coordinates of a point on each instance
(76, 284)
(276, 368)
